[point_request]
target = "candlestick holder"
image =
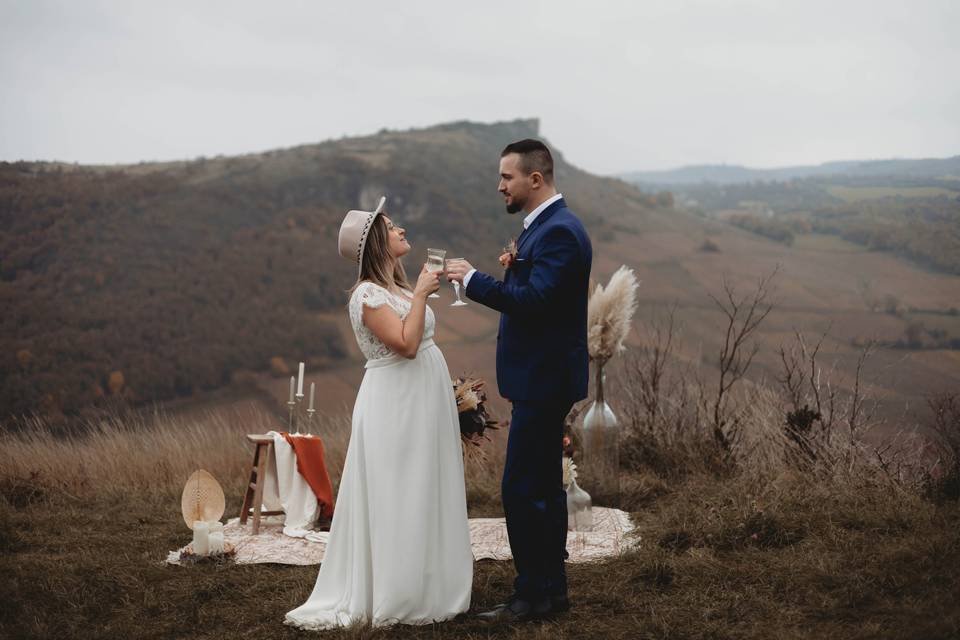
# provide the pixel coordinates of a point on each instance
(297, 417)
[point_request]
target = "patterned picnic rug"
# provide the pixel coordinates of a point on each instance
(611, 535)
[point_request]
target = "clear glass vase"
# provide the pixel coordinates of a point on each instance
(600, 470)
(579, 508)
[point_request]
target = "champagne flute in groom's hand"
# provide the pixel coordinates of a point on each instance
(456, 289)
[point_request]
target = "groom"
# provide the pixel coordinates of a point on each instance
(542, 368)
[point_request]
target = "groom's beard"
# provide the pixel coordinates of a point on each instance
(515, 206)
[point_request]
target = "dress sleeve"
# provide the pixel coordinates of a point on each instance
(370, 295)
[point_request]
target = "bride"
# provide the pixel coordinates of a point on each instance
(399, 545)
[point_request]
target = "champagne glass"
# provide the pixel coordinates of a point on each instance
(435, 263)
(456, 290)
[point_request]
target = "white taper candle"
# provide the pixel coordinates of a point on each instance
(292, 381)
(313, 388)
(300, 382)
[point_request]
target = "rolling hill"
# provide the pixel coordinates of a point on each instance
(152, 282)
(935, 168)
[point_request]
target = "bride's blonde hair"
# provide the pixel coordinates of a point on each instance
(376, 260)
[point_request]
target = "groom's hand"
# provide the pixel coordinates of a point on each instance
(457, 270)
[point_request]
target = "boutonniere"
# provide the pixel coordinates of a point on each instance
(509, 254)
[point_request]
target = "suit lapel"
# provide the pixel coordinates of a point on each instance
(523, 236)
(544, 215)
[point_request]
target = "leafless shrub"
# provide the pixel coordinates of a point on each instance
(647, 371)
(827, 425)
(815, 406)
(804, 420)
(902, 460)
(810, 418)
(861, 407)
(657, 401)
(943, 479)
(744, 314)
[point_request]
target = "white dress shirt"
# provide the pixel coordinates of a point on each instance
(527, 221)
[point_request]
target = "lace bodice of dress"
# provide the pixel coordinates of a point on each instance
(373, 295)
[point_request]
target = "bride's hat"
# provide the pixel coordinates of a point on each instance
(353, 232)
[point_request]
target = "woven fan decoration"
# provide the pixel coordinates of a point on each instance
(203, 499)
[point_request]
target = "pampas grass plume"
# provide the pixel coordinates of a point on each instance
(609, 314)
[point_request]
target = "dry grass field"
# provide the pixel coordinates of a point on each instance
(746, 545)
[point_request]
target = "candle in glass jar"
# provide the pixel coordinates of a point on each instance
(201, 538)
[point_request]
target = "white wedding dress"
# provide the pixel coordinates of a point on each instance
(399, 546)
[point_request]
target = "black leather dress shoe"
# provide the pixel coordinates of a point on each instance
(517, 610)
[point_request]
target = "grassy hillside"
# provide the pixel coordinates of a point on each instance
(157, 282)
(148, 282)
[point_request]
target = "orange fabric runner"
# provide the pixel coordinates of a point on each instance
(311, 465)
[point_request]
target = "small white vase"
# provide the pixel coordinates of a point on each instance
(579, 508)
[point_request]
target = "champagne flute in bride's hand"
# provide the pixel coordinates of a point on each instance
(435, 263)
(456, 289)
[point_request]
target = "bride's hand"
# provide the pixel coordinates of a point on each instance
(427, 283)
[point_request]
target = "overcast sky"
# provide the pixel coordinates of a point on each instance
(617, 85)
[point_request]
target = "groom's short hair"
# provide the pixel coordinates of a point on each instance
(534, 156)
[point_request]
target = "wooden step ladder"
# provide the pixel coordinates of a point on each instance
(253, 496)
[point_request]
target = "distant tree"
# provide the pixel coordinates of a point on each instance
(709, 246)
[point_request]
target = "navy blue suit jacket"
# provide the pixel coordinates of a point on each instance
(542, 343)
